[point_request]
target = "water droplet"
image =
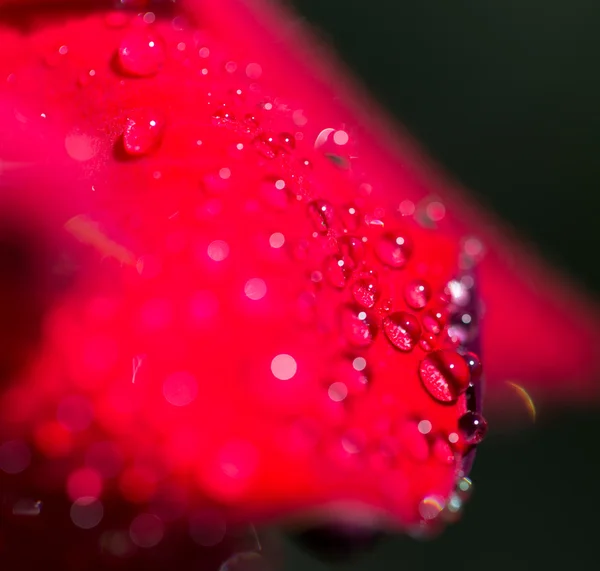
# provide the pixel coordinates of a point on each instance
(223, 116)
(427, 342)
(337, 271)
(143, 133)
(321, 213)
(141, 54)
(266, 145)
(352, 251)
(365, 290)
(445, 375)
(474, 364)
(473, 427)
(394, 250)
(417, 294)
(356, 326)
(287, 141)
(402, 329)
(434, 320)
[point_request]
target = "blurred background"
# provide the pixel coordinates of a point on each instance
(506, 96)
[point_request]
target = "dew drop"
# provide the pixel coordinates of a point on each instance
(434, 320)
(365, 290)
(287, 141)
(473, 427)
(445, 375)
(402, 330)
(356, 326)
(223, 117)
(266, 145)
(352, 250)
(143, 133)
(417, 294)
(474, 364)
(427, 342)
(321, 214)
(394, 250)
(141, 54)
(337, 271)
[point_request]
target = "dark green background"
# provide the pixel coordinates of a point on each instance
(505, 94)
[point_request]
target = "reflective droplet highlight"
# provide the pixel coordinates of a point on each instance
(473, 427)
(365, 290)
(402, 330)
(417, 294)
(143, 133)
(141, 54)
(356, 326)
(445, 375)
(394, 250)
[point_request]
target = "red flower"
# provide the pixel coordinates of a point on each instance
(270, 294)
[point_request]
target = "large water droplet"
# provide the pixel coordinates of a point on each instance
(473, 427)
(356, 326)
(394, 250)
(417, 294)
(365, 290)
(141, 54)
(321, 214)
(445, 375)
(143, 133)
(403, 330)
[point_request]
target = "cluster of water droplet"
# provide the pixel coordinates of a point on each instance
(360, 250)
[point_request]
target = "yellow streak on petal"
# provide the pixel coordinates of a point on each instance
(524, 396)
(88, 232)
